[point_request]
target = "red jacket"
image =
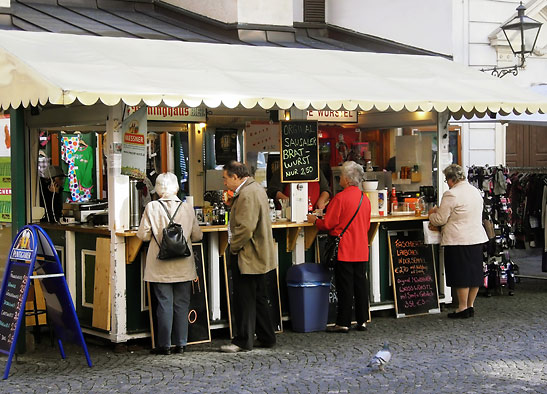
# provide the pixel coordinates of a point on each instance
(354, 242)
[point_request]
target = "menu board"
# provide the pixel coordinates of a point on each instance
(299, 152)
(198, 311)
(413, 274)
(12, 303)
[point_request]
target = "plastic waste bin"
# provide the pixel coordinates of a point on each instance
(308, 285)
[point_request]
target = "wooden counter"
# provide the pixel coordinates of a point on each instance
(77, 228)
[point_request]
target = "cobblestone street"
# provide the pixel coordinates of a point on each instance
(501, 350)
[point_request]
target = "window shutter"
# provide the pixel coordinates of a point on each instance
(314, 11)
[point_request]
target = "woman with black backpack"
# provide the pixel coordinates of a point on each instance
(170, 277)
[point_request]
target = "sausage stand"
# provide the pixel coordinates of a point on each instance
(201, 106)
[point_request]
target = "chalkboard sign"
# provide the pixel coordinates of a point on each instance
(198, 310)
(299, 152)
(413, 274)
(12, 303)
(33, 252)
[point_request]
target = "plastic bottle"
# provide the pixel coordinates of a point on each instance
(419, 207)
(221, 215)
(310, 205)
(272, 210)
(215, 214)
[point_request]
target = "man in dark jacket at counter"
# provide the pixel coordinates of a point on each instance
(252, 257)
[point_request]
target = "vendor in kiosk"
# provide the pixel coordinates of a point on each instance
(51, 189)
(318, 192)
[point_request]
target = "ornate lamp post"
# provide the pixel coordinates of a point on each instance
(521, 32)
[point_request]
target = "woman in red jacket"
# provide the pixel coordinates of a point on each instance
(351, 268)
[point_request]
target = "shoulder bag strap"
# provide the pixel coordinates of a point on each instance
(355, 214)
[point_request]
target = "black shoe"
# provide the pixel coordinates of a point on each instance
(261, 344)
(165, 351)
(178, 349)
(459, 315)
(471, 311)
(361, 327)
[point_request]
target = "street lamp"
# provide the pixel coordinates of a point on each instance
(522, 33)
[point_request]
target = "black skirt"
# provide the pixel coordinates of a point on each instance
(463, 265)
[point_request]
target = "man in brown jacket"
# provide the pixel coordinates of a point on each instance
(252, 257)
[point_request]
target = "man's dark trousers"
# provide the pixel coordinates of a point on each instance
(252, 310)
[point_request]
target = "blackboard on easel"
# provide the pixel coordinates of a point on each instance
(198, 311)
(299, 151)
(413, 274)
(272, 289)
(33, 256)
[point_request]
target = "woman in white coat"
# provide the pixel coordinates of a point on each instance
(463, 238)
(170, 280)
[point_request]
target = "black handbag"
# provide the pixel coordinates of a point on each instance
(173, 243)
(330, 251)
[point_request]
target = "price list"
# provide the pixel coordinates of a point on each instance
(12, 303)
(414, 278)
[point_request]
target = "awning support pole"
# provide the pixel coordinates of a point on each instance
(442, 163)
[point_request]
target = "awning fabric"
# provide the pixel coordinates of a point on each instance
(60, 68)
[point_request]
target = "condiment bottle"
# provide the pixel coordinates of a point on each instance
(310, 205)
(394, 203)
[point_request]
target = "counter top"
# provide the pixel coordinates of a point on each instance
(76, 227)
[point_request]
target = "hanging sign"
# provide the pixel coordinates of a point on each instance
(32, 251)
(262, 137)
(332, 116)
(173, 114)
(134, 130)
(299, 152)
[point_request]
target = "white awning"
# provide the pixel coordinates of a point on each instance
(60, 68)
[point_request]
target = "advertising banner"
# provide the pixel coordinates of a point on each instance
(134, 129)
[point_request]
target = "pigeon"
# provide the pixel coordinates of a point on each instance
(381, 358)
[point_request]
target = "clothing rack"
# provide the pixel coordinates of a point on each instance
(534, 170)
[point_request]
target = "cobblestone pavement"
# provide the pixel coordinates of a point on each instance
(501, 350)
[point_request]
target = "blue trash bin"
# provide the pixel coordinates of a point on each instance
(308, 285)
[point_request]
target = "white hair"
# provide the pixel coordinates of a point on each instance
(354, 173)
(167, 184)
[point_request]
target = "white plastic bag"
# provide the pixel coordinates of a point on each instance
(430, 236)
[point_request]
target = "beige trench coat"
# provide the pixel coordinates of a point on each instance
(251, 229)
(154, 219)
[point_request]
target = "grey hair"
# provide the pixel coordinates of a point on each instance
(167, 184)
(454, 172)
(354, 173)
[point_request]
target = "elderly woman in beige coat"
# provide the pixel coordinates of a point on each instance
(171, 280)
(463, 237)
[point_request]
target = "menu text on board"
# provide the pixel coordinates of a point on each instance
(414, 278)
(299, 152)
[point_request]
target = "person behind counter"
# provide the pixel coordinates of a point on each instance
(252, 256)
(463, 237)
(351, 269)
(171, 280)
(318, 192)
(51, 190)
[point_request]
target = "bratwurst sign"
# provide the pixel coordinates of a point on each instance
(299, 152)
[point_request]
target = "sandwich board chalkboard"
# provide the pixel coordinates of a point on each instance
(32, 251)
(198, 310)
(299, 151)
(413, 273)
(272, 290)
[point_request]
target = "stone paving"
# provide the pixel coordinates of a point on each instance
(501, 350)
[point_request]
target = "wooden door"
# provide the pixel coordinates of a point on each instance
(526, 146)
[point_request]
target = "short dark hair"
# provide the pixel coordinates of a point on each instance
(236, 168)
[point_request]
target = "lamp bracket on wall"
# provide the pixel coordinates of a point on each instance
(500, 72)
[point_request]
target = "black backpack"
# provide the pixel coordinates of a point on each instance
(173, 243)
